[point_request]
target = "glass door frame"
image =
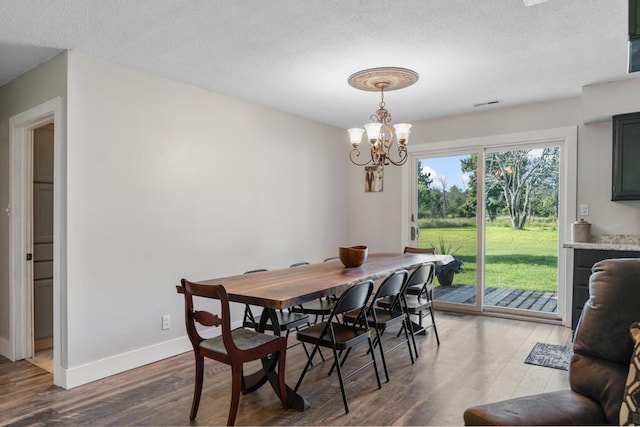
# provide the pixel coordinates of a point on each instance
(413, 160)
(566, 139)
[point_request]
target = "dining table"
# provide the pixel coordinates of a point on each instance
(288, 287)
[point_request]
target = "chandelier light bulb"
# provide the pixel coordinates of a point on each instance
(403, 130)
(355, 136)
(373, 131)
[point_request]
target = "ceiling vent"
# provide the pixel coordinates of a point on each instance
(485, 104)
(533, 2)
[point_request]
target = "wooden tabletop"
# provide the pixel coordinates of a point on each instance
(288, 287)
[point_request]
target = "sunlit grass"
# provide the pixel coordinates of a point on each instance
(520, 259)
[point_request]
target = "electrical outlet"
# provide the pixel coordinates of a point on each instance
(166, 322)
(584, 209)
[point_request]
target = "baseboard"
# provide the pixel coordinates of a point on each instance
(78, 375)
(5, 348)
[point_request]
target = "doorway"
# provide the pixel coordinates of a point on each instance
(45, 277)
(507, 239)
(42, 256)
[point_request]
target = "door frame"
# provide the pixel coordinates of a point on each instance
(567, 138)
(21, 128)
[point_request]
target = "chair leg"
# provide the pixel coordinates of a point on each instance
(304, 347)
(236, 380)
(306, 368)
(322, 355)
(411, 333)
(406, 336)
(282, 358)
(197, 391)
(378, 338)
(344, 394)
(375, 365)
(342, 362)
(384, 362)
(433, 322)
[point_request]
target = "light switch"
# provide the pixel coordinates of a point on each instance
(584, 209)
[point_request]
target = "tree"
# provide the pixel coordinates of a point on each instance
(519, 174)
(425, 196)
(443, 184)
(456, 199)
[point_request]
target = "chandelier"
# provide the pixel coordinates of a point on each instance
(380, 135)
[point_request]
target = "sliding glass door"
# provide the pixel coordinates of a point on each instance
(446, 206)
(499, 211)
(521, 229)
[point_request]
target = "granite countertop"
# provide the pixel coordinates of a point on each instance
(608, 242)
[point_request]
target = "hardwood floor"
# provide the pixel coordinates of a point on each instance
(480, 359)
(43, 359)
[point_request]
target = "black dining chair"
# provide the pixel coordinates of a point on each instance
(415, 289)
(319, 308)
(419, 297)
(339, 336)
(232, 347)
(287, 320)
(382, 318)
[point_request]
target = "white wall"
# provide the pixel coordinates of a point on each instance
(35, 87)
(165, 181)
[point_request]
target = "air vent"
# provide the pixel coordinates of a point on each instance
(484, 104)
(533, 2)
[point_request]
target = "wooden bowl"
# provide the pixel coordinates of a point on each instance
(353, 256)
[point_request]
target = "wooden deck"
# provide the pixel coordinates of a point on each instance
(546, 302)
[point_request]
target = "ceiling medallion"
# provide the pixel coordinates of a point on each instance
(389, 78)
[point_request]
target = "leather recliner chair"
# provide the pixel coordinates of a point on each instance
(598, 371)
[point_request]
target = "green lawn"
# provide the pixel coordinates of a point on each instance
(519, 259)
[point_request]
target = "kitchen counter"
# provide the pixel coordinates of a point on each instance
(608, 242)
(585, 255)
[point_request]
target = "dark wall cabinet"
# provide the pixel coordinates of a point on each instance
(634, 19)
(634, 35)
(583, 260)
(626, 157)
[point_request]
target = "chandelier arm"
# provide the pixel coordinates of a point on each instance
(402, 152)
(357, 154)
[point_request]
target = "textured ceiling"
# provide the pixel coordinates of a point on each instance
(295, 55)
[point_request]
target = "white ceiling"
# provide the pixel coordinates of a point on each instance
(295, 55)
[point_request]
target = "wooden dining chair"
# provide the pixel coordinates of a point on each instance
(339, 336)
(232, 347)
